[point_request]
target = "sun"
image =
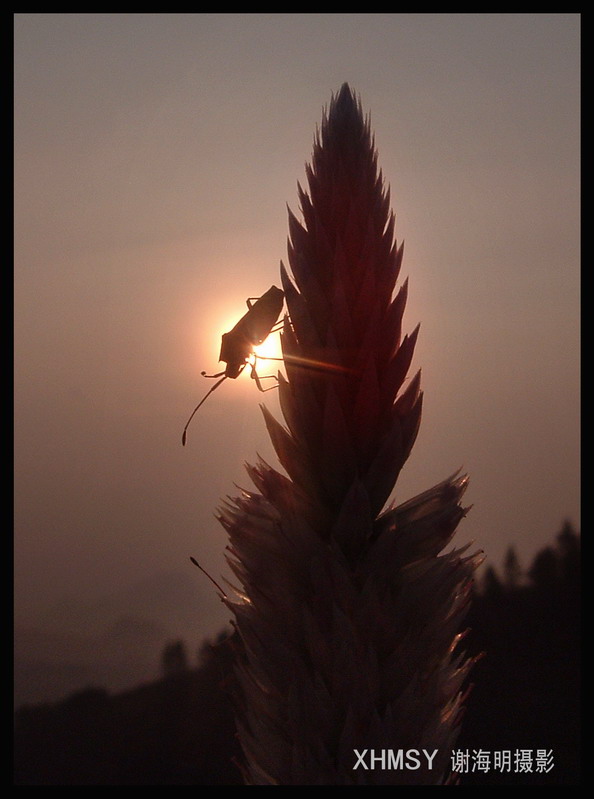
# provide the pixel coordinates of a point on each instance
(270, 347)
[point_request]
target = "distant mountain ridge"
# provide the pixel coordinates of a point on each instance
(114, 643)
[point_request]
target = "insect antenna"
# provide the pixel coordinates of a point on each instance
(208, 393)
(218, 374)
(212, 580)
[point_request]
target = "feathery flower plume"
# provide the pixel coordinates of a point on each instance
(348, 615)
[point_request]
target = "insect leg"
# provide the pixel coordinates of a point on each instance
(258, 378)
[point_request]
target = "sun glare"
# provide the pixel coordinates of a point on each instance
(270, 347)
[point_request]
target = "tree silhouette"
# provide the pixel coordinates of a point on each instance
(174, 660)
(512, 572)
(568, 546)
(491, 584)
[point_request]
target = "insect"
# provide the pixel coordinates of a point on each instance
(238, 344)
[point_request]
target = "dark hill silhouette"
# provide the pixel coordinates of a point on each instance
(180, 730)
(176, 731)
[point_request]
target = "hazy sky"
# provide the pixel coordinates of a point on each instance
(154, 158)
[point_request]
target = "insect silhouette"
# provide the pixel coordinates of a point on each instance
(238, 344)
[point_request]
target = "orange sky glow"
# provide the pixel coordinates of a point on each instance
(155, 155)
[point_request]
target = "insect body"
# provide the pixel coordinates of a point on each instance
(252, 329)
(238, 344)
